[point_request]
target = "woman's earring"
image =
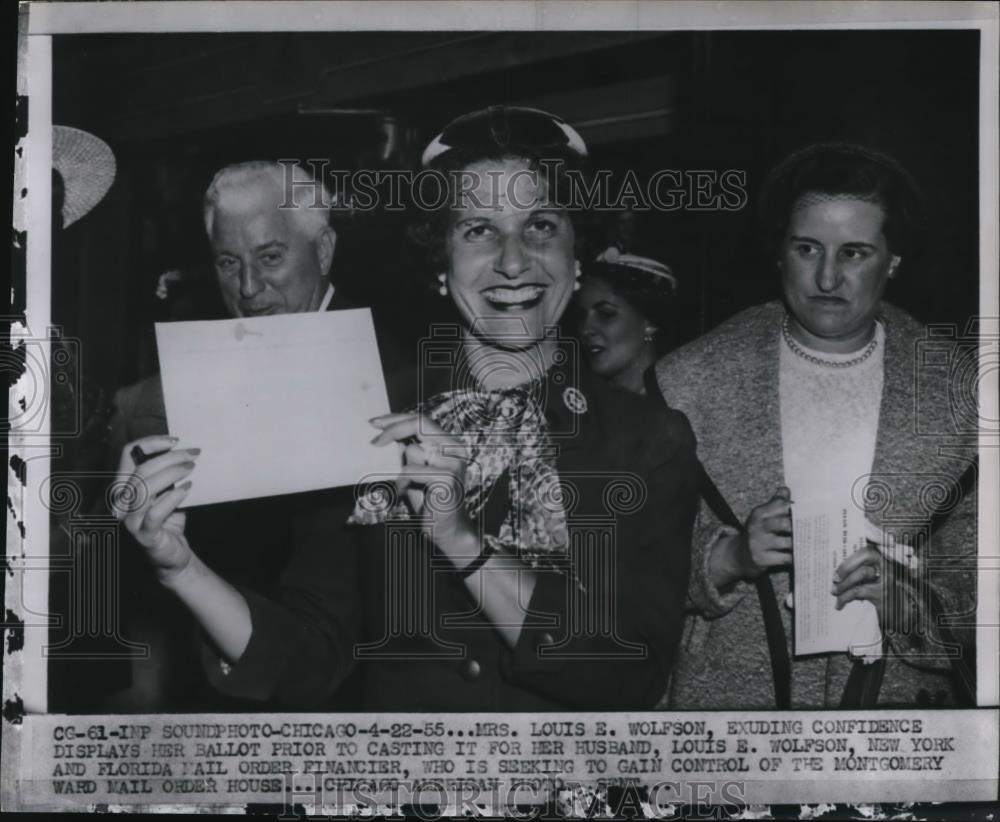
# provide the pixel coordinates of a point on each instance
(579, 271)
(443, 284)
(648, 336)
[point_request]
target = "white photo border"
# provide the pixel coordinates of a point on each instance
(25, 680)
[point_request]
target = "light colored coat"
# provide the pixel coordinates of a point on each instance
(726, 382)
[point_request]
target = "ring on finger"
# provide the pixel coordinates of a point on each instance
(431, 451)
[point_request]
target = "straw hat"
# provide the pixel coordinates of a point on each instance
(87, 166)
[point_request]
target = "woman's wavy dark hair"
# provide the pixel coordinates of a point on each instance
(653, 298)
(562, 171)
(843, 169)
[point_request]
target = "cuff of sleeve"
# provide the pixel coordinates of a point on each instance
(256, 673)
(706, 597)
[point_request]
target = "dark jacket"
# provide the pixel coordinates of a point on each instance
(379, 598)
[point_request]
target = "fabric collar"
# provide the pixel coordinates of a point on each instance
(326, 298)
(562, 393)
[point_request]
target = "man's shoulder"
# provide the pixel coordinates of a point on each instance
(142, 398)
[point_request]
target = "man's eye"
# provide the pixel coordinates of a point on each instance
(805, 250)
(271, 258)
(854, 254)
(542, 227)
(225, 263)
(607, 313)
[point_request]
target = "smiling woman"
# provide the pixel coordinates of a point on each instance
(511, 255)
(482, 583)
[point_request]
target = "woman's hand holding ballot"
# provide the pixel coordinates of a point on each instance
(860, 577)
(152, 481)
(433, 479)
(151, 476)
(766, 544)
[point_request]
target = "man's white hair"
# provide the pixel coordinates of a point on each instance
(309, 198)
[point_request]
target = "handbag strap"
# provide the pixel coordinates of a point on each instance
(774, 629)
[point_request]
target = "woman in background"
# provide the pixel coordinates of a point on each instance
(625, 312)
(812, 399)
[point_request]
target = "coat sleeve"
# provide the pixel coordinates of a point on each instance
(301, 647)
(642, 583)
(703, 597)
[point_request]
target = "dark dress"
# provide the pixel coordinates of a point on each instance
(382, 602)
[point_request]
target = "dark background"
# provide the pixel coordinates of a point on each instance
(175, 108)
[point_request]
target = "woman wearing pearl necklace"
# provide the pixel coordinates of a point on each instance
(814, 395)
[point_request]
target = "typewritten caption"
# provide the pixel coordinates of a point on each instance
(331, 762)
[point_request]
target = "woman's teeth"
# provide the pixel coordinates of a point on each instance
(514, 297)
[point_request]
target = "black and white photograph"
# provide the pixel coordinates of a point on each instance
(489, 408)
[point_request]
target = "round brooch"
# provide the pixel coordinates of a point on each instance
(575, 401)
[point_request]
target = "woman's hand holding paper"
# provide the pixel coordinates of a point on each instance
(862, 576)
(150, 492)
(432, 477)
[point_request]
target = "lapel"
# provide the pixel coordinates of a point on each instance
(760, 416)
(752, 423)
(913, 473)
(570, 401)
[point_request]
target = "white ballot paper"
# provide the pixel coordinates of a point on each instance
(825, 532)
(278, 404)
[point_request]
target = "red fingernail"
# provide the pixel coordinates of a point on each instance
(194, 452)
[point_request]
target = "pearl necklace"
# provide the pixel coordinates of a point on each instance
(798, 349)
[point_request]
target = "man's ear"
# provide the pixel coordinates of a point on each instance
(326, 244)
(894, 264)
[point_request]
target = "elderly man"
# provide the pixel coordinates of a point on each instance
(269, 258)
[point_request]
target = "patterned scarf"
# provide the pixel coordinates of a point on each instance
(503, 431)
